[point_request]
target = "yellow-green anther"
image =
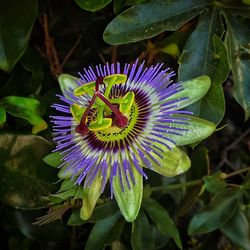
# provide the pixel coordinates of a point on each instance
(77, 112)
(119, 78)
(110, 83)
(95, 126)
(129, 97)
(118, 100)
(86, 88)
(111, 80)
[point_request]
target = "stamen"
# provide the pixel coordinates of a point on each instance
(82, 127)
(119, 120)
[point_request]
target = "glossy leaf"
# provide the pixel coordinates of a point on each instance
(100, 231)
(104, 210)
(129, 199)
(141, 239)
(204, 53)
(238, 36)
(174, 162)
(198, 130)
(53, 159)
(235, 8)
(194, 89)
(32, 62)
(23, 176)
(16, 21)
(90, 195)
(199, 163)
(26, 108)
(173, 44)
(92, 5)
(75, 219)
(2, 115)
(116, 232)
(214, 183)
(164, 222)
(135, 25)
(237, 230)
(217, 213)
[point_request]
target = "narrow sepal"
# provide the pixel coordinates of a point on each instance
(194, 89)
(129, 200)
(196, 130)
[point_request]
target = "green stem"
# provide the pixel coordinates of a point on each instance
(195, 182)
(237, 172)
(176, 186)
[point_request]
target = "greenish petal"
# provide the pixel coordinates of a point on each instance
(67, 82)
(198, 130)
(194, 89)
(129, 200)
(172, 163)
(90, 195)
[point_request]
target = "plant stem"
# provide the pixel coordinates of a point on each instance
(176, 186)
(237, 172)
(195, 182)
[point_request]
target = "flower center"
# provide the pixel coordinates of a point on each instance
(109, 112)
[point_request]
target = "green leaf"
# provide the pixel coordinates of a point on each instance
(103, 211)
(92, 5)
(67, 83)
(237, 230)
(53, 159)
(23, 176)
(194, 89)
(219, 211)
(199, 163)
(214, 183)
(204, 54)
(234, 8)
(129, 199)
(173, 44)
(115, 233)
(160, 216)
(238, 36)
(141, 239)
(133, 2)
(2, 115)
(66, 194)
(90, 195)
(16, 22)
(26, 108)
(135, 25)
(174, 162)
(198, 130)
(100, 232)
(32, 62)
(75, 219)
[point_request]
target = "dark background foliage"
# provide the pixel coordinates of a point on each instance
(205, 208)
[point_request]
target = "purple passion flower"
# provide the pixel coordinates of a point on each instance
(118, 120)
